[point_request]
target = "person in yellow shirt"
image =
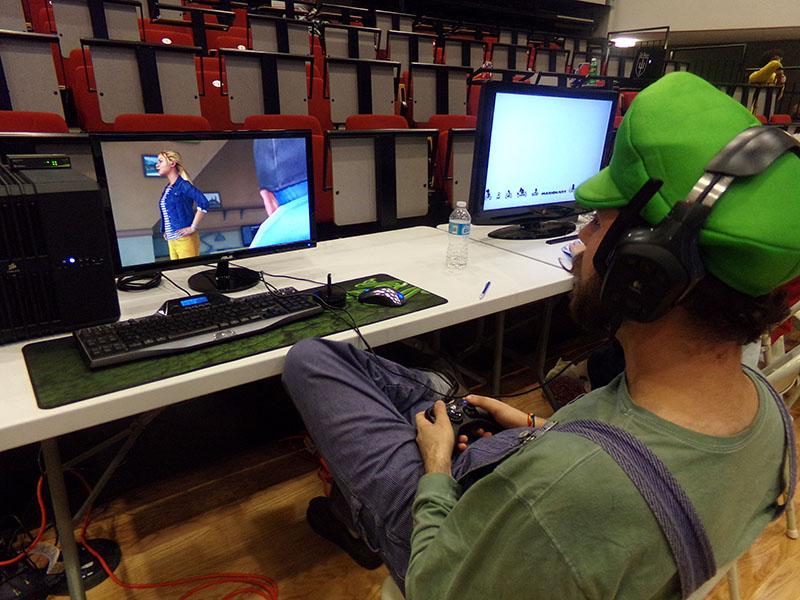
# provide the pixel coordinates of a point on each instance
(770, 74)
(772, 71)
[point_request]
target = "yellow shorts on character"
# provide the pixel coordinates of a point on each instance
(185, 247)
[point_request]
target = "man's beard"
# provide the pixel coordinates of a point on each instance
(585, 305)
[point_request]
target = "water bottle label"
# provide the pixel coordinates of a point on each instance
(459, 228)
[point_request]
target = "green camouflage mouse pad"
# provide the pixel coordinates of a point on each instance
(59, 374)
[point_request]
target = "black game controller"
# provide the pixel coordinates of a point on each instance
(466, 419)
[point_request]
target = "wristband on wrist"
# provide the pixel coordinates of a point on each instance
(531, 419)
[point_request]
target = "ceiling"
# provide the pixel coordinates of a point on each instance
(724, 36)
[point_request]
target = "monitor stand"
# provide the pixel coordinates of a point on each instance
(224, 279)
(536, 230)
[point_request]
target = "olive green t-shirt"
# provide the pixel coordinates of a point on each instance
(559, 519)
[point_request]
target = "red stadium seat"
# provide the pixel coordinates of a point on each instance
(318, 105)
(445, 122)
(442, 171)
(232, 38)
(233, 41)
(618, 113)
(792, 291)
(317, 51)
(323, 206)
(45, 23)
(268, 122)
(37, 122)
(361, 122)
(214, 104)
(474, 92)
(780, 119)
(240, 20)
(86, 102)
(626, 99)
(151, 122)
(762, 118)
(42, 19)
(71, 64)
(170, 35)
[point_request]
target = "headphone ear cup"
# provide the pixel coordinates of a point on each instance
(644, 279)
(627, 219)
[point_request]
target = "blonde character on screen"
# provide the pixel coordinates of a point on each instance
(179, 217)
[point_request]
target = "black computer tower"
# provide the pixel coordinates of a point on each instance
(56, 272)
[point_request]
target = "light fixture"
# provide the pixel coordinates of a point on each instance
(166, 41)
(216, 83)
(625, 42)
(575, 19)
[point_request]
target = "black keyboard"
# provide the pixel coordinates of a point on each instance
(192, 322)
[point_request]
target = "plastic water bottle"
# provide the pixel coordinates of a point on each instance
(458, 232)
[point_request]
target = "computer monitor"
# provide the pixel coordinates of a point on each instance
(533, 146)
(265, 178)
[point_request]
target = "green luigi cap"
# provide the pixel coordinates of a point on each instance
(673, 128)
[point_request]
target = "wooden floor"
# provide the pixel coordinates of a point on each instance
(247, 514)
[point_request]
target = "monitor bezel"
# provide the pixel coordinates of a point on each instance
(483, 136)
(97, 139)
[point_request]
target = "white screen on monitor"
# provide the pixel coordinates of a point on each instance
(542, 148)
(237, 169)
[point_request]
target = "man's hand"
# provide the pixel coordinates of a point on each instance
(463, 441)
(507, 416)
(436, 440)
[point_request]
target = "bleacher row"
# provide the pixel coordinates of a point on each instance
(124, 65)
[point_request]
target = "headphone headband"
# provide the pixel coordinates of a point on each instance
(753, 151)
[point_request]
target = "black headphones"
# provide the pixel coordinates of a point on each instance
(648, 270)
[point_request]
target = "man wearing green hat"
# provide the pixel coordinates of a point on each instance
(543, 514)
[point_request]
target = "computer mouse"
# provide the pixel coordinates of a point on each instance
(382, 296)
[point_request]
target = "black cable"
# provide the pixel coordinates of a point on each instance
(137, 282)
(292, 277)
(296, 278)
(354, 326)
(184, 290)
(271, 287)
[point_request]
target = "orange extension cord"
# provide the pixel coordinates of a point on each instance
(258, 585)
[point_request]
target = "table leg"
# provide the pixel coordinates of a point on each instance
(541, 350)
(66, 534)
(497, 368)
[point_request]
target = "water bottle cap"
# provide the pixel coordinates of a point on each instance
(461, 204)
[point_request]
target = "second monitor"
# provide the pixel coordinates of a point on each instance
(533, 146)
(178, 218)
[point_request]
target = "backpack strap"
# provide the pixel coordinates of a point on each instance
(789, 471)
(669, 504)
